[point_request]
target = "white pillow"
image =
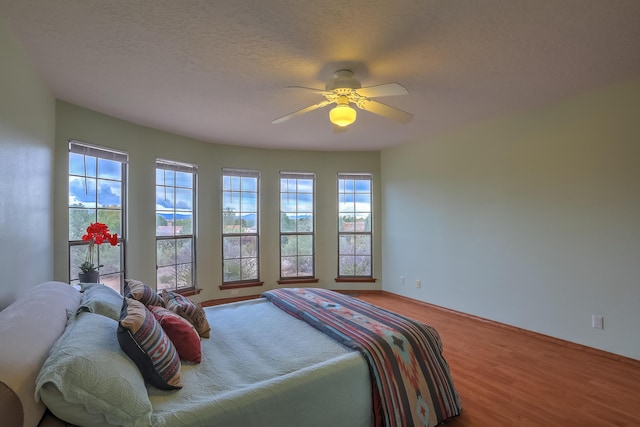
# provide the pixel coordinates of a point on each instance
(88, 380)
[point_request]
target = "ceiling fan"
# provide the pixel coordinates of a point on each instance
(344, 89)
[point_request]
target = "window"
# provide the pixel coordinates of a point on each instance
(240, 227)
(297, 202)
(97, 185)
(175, 225)
(354, 225)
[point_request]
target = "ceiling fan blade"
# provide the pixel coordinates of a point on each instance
(385, 110)
(304, 110)
(310, 89)
(389, 89)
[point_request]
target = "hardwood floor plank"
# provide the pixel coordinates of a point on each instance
(506, 378)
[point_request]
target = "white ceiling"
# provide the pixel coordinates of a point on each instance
(215, 70)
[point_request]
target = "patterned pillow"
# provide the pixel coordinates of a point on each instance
(145, 342)
(137, 290)
(181, 333)
(188, 309)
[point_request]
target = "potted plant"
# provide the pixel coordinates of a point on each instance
(97, 234)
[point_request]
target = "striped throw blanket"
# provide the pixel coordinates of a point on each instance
(411, 382)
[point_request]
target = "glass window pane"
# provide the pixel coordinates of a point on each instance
(76, 164)
(166, 277)
(231, 201)
(287, 223)
(288, 245)
(77, 255)
(305, 245)
(231, 247)
(79, 220)
(305, 202)
(249, 247)
(165, 252)
(249, 268)
(363, 203)
(346, 244)
(109, 169)
(82, 192)
(164, 197)
(305, 222)
(288, 203)
(305, 266)
(249, 203)
(184, 274)
(169, 178)
(184, 224)
(232, 270)
(90, 165)
(164, 224)
(230, 222)
(112, 218)
(363, 186)
(184, 199)
(184, 179)
(109, 194)
(249, 184)
(184, 250)
(362, 266)
(346, 265)
(363, 244)
(109, 257)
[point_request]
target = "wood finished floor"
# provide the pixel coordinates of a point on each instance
(508, 378)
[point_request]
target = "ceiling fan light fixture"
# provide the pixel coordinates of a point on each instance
(342, 114)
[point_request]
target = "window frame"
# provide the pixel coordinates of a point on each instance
(297, 176)
(108, 154)
(230, 173)
(178, 167)
(341, 193)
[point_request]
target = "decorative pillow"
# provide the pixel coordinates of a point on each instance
(88, 380)
(101, 299)
(142, 338)
(188, 309)
(181, 333)
(141, 292)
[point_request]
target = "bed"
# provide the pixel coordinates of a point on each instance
(267, 362)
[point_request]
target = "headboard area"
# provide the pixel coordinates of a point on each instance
(28, 329)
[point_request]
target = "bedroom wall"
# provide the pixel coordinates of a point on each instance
(27, 129)
(144, 145)
(531, 220)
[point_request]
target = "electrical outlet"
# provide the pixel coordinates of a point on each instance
(418, 284)
(401, 280)
(597, 322)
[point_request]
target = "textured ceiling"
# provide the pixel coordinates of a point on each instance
(215, 70)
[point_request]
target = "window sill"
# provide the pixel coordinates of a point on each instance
(356, 279)
(296, 280)
(240, 285)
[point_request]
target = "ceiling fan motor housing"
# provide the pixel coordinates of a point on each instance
(343, 79)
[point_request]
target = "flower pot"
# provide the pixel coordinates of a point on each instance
(90, 277)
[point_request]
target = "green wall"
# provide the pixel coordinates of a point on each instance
(144, 145)
(27, 126)
(532, 219)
